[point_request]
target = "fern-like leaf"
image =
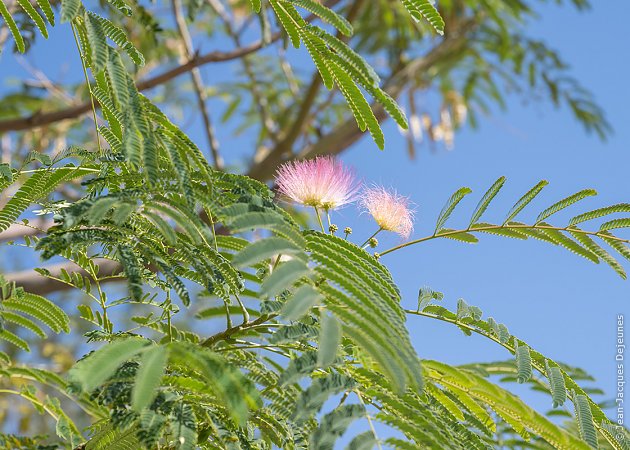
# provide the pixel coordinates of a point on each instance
(602, 254)
(35, 17)
(285, 275)
(326, 14)
(92, 371)
(450, 205)
(523, 362)
(15, 31)
(117, 35)
(483, 204)
(584, 418)
(360, 107)
(525, 200)
(148, 377)
(329, 340)
(70, 9)
(98, 41)
(303, 299)
(557, 385)
(565, 203)
(420, 9)
(615, 224)
(600, 212)
(264, 249)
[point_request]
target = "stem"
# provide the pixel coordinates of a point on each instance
(89, 86)
(276, 262)
(368, 239)
(32, 400)
(319, 219)
(169, 323)
(243, 309)
(228, 318)
(369, 419)
(49, 169)
(227, 333)
(500, 227)
(199, 88)
(329, 222)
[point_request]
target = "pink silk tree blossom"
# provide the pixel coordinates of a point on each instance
(390, 210)
(323, 182)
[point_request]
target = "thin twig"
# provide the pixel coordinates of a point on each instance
(500, 227)
(200, 90)
(229, 332)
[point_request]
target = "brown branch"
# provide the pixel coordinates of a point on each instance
(285, 146)
(259, 99)
(348, 133)
(36, 283)
(39, 119)
(200, 90)
(35, 227)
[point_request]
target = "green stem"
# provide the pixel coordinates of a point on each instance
(276, 262)
(243, 309)
(52, 169)
(232, 330)
(34, 401)
(368, 239)
(319, 219)
(228, 318)
(369, 419)
(507, 227)
(89, 86)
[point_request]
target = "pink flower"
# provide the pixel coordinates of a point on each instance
(390, 210)
(322, 182)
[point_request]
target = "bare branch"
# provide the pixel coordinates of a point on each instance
(348, 133)
(200, 90)
(18, 231)
(40, 119)
(285, 146)
(35, 283)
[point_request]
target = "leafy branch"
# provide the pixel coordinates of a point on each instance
(571, 237)
(561, 385)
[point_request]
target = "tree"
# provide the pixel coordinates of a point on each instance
(309, 315)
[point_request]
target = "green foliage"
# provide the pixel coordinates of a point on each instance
(40, 20)
(311, 319)
(40, 184)
(28, 311)
(94, 370)
(148, 378)
(450, 205)
(557, 385)
(523, 362)
(584, 419)
(329, 339)
(561, 384)
(300, 302)
(424, 9)
(338, 64)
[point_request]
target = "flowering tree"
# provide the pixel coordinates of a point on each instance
(312, 329)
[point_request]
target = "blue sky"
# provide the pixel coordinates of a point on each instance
(562, 305)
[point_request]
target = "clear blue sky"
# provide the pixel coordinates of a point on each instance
(562, 305)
